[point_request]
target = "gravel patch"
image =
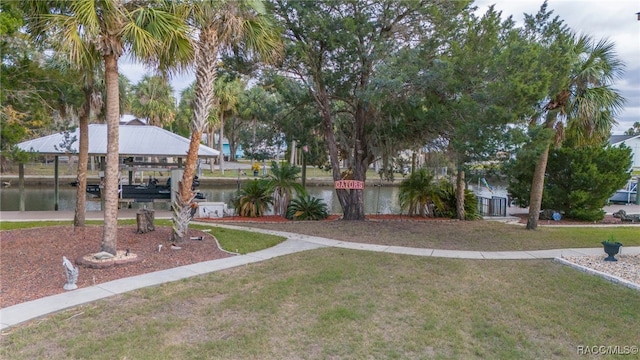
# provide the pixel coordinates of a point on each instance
(626, 268)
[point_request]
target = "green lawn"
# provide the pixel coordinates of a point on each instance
(461, 235)
(347, 304)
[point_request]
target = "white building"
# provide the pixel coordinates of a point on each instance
(632, 141)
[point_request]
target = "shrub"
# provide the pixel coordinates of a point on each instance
(418, 193)
(578, 181)
(307, 208)
(255, 198)
(447, 206)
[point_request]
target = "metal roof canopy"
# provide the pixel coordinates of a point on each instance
(135, 140)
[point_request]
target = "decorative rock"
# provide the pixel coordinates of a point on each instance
(121, 258)
(627, 267)
(103, 255)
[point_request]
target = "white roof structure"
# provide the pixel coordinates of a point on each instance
(135, 140)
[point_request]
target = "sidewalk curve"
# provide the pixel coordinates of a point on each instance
(19, 313)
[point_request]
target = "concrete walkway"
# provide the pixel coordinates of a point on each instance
(19, 313)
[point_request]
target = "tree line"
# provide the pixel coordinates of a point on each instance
(354, 82)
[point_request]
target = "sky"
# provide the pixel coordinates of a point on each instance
(613, 20)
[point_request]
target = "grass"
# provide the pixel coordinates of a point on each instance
(241, 242)
(336, 303)
(446, 235)
(457, 235)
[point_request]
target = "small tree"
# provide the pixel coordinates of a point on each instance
(449, 204)
(578, 181)
(254, 200)
(283, 182)
(305, 207)
(417, 192)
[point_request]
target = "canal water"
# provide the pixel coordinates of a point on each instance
(377, 199)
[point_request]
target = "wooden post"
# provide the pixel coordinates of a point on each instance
(56, 180)
(21, 185)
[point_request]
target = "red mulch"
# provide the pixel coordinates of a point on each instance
(280, 219)
(31, 259)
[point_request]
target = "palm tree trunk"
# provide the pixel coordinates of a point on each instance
(83, 158)
(182, 206)
(537, 188)
(110, 233)
(460, 185)
(211, 139)
(221, 156)
(205, 78)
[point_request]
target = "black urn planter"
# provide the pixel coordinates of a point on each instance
(611, 248)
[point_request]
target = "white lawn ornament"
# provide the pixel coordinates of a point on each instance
(72, 274)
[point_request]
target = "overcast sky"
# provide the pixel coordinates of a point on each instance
(614, 20)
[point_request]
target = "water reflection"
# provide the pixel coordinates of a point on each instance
(377, 199)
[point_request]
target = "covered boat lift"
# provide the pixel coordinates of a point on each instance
(134, 141)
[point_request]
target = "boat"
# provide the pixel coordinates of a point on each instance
(142, 192)
(627, 195)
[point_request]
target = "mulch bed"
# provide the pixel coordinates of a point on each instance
(31, 259)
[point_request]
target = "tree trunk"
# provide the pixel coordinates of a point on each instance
(537, 188)
(207, 52)
(185, 196)
(211, 142)
(110, 233)
(460, 186)
(83, 158)
(221, 156)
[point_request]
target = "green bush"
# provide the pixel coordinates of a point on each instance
(307, 208)
(255, 198)
(447, 206)
(418, 193)
(578, 181)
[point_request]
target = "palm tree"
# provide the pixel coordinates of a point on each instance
(227, 95)
(584, 108)
(112, 26)
(283, 181)
(417, 192)
(221, 26)
(92, 101)
(152, 98)
(305, 207)
(255, 198)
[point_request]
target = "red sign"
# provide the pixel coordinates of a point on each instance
(349, 184)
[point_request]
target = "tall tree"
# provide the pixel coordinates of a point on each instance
(635, 130)
(492, 77)
(222, 26)
(113, 26)
(227, 94)
(336, 48)
(581, 102)
(70, 99)
(152, 98)
(258, 112)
